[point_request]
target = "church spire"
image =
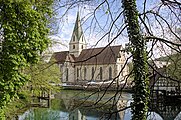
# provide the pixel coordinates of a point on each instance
(78, 28)
(77, 42)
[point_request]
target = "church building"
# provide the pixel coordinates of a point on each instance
(84, 65)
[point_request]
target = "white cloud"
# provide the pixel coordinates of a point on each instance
(92, 35)
(58, 44)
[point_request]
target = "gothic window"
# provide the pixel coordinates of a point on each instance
(67, 73)
(77, 72)
(73, 46)
(100, 73)
(110, 73)
(119, 55)
(85, 72)
(92, 72)
(122, 70)
(74, 38)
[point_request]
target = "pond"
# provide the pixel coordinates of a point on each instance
(86, 105)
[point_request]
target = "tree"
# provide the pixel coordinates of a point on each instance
(151, 31)
(23, 28)
(141, 92)
(43, 78)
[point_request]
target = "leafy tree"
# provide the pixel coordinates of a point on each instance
(140, 89)
(173, 66)
(23, 31)
(150, 28)
(43, 77)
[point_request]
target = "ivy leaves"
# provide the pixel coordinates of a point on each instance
(140, 68)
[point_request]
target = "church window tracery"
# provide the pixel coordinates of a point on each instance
(85, 72)
(92, 72)
(67, 72)
(110, 73)
(100, 73)
(74, 38)
(77, 72)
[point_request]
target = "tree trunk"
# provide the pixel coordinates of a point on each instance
(138, 50)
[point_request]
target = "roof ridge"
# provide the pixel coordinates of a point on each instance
(103, 47)
(60, 51)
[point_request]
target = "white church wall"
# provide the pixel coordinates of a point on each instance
(74, 77)
(77, 73)
(96, 77)
(67, 71)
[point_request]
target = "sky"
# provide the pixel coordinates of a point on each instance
(92, 30)
(95, 27)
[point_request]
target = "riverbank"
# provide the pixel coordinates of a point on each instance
(97, 88)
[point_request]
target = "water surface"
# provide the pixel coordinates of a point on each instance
(86, 105)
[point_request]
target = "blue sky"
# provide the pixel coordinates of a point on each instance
(92, 32)
(94, 29)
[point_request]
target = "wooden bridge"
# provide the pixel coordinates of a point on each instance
(42, 100)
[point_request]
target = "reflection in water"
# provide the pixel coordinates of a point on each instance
(70, 105)
(76, 115)
(165, 110)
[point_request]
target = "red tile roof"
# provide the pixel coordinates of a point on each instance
(60, 57)
(101, 55)
(90, 56)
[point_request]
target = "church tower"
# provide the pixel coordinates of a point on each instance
(77, 42)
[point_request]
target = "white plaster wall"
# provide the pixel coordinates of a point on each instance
(105, 72)
(70, 72)
(120, 64)
(78, 46)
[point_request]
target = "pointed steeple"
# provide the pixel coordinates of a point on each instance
(78, 28)
(77, 42)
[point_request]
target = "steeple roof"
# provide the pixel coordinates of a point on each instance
(78, 32)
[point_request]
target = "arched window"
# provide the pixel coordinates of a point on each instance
(92, 72)
(122, 70)
(73, 46)
(77, 72)
(85, 72)
(74, 38)
(67, 73)
(100, 73)
(110, 73)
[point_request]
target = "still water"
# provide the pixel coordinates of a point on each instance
(84, 105)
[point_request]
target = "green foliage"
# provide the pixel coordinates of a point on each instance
(44, 76)
(140, 68)
(174, 65)
(24, 36)
(16, 107)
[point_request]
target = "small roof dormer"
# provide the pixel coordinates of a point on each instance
(77, 42)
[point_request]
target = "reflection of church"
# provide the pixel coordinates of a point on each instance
(76, 110)
(76, 115)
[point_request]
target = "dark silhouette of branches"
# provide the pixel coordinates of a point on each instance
(158, 26)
